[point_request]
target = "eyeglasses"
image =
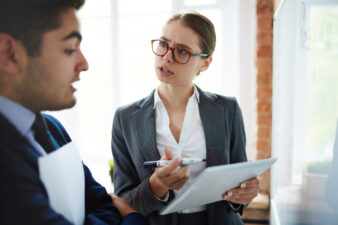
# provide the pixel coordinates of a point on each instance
(180, 55)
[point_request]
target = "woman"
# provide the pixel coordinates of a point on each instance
(178, 120)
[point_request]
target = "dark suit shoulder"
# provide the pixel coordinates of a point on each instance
(227, 102)
(57, 130)
(230, 102)
(129, 108)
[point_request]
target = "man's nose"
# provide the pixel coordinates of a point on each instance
(83, 64)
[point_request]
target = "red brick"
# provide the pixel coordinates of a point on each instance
(264, 38)
(264, 7)
(264, 93)
(264, 132)
(264, 52)
(265, 182)
(264, 119)
(263, 106)
(264, 66)
(262, 145)
(264, 23)
(264, 79)
(263, 154)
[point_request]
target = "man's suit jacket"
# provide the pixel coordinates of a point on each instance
(23, 197)
(134, 141)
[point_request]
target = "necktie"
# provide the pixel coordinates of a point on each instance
(41, 133)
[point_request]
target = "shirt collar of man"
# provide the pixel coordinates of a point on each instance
(158, 100)
(21, 117)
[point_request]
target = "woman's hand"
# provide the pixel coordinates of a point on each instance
(168, 177)
(244, 194)
(122, 205)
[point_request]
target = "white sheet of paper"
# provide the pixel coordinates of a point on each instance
(214, 181)
(62, 174)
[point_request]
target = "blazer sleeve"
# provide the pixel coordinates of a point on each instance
(98, 204)
(126, 180)
(134, 219)
(237, 147)
(238, 139)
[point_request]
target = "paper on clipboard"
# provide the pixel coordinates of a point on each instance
(61, 172)
(214, 181)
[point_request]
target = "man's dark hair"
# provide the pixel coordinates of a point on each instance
(28, 20)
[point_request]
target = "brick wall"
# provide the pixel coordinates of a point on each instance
(264, 11)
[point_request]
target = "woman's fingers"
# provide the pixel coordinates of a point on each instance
(243, 194)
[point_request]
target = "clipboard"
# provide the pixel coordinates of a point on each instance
(216, 180)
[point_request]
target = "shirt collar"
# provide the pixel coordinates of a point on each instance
(21, 117)
(158, 100)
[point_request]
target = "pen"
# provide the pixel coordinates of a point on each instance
(184, 161)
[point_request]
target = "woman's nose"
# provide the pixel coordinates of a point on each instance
(169, 56)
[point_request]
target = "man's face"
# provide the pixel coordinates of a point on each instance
(47, 82)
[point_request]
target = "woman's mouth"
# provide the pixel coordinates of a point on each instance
(165, 71)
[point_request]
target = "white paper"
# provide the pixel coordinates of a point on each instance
(215, 181)
(62, 174)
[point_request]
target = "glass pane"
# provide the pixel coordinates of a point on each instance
(199, 2)
(95, 8)
(136, 60)
(142, 7)
(212, 79)
(305, 115)
(95, 98)
(322, 83)
(90, 132)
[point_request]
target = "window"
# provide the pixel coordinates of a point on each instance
(305, 110)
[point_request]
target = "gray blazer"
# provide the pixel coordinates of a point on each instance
(134, 141)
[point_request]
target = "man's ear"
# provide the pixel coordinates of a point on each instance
(10, 54)
(205, 64)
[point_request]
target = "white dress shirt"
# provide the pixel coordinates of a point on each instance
(22, 119)
(191, 141)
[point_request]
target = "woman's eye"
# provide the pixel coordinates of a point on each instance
(70, 51)
(182, 51)
(162, 44)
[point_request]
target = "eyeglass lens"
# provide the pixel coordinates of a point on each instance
(160, 48)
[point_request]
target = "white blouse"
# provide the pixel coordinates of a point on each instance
(191, 142)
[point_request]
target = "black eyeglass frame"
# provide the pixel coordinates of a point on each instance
(172, 50)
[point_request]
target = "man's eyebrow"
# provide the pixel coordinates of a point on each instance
(74, 34)
(181, 45)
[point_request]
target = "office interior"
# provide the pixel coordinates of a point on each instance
(279, 58)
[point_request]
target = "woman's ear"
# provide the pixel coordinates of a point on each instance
(10, 54)
(205, 64)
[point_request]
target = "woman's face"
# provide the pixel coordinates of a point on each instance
(167, 69)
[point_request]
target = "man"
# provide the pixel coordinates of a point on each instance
(40, 58)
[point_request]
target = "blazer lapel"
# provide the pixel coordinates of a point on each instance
(213, 122)
(145, 128)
